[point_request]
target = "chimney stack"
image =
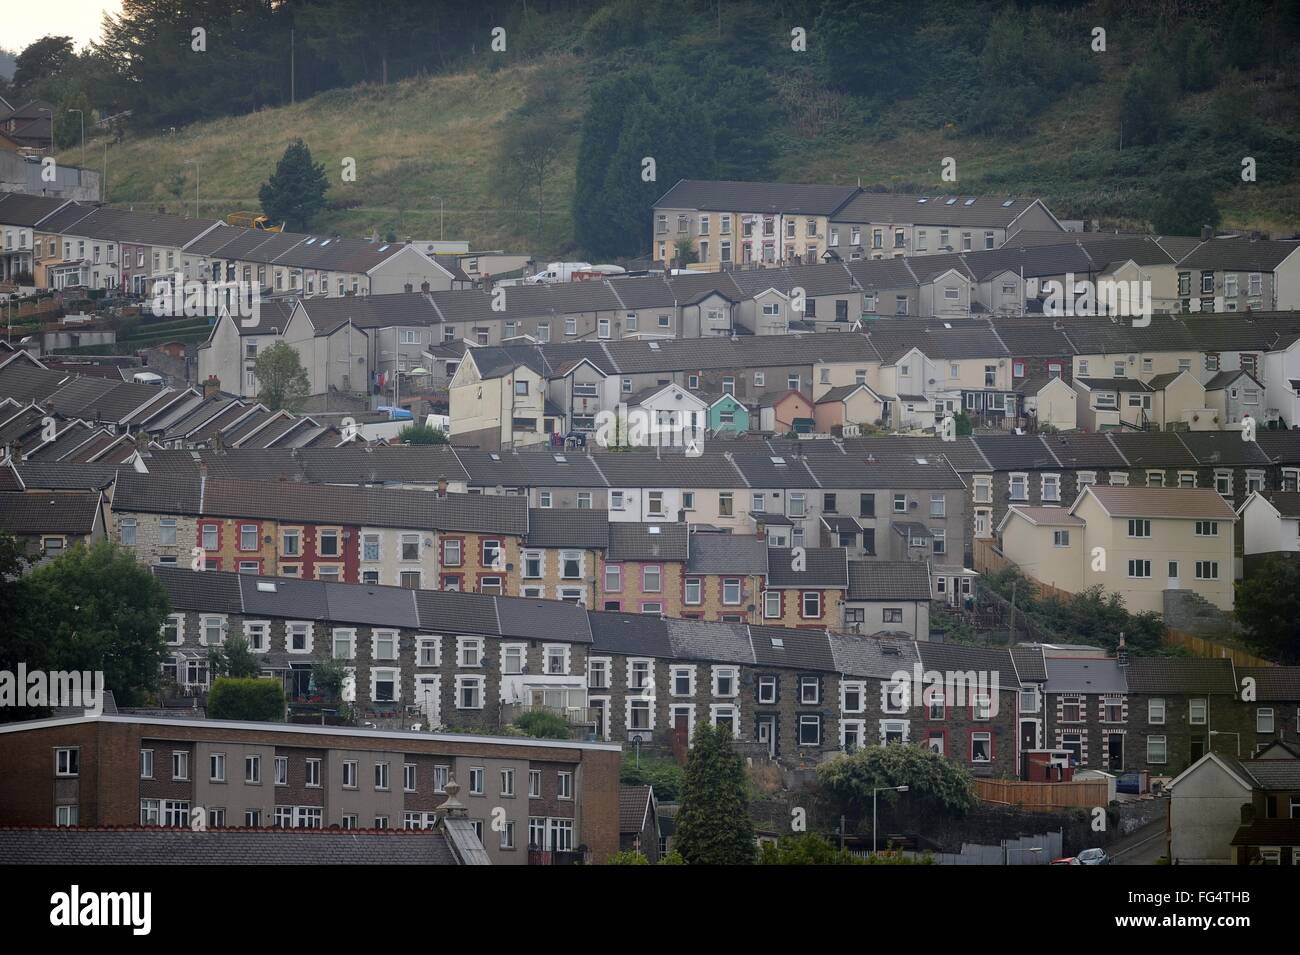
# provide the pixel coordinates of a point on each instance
(1121, 652)
(211, 387)
(442, 486)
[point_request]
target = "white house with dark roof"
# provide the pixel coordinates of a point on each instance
(1270, 526)
(888, 597)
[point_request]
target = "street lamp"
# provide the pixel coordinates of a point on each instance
(441, 234)
(874, 794)
(81, 116)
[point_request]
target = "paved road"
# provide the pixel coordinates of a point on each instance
(1142, 847)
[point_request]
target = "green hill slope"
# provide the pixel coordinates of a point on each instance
(439, 136)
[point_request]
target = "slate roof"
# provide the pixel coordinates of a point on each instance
(1179, 675)
(883, 464)
(1223, 448)
(540, 619)
(968, 210)
(30, 513)
(1084, 675)
(1030, 664)
(568, 527)
(889, 580)
(1154, 449)
(371, 604)
(725, 196)
(824, 567)
(160, 493)
(793, 648)
(20, 209)
(1282, 447)
(1269, 832)
(872, 657)
(945, 657)
(706, 640)
(632, 634)
(1122, 385)
(1075, 449)
(66, 845)
(647, 542)
(1012, 452)
(447, 611)
(380, 507)
(712, 553)
(1269, 774)
(1238, 253)
(59, 476)
(201, 590)
(1273, 684)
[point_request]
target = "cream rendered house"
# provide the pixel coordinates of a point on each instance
(1137, 542)
(1052, 402)
(498, 406)
(1180, 401)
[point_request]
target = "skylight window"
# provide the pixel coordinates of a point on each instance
(778, 643)
(970, 202)
(310, 241)
(654, 529)
(922, 461)
(560, 459)
(923, 200)
(1009, 202)
(951, 202)
(383, 248)
(494, 456)
(778, 461)
(266, 586)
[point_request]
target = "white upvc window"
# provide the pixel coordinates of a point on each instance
(344, 643)
(682, 681)
(726, 681)
(469, 651)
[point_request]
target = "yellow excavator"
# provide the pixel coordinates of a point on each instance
(252, 220)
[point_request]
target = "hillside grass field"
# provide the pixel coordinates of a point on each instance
(437, 136)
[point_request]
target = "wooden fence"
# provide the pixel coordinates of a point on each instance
(1083, 794)
(1203, 647)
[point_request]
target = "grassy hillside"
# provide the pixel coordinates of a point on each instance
(438, 136)
(411, 140)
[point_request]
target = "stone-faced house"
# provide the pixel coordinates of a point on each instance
(1181, 709)
(1086, 711)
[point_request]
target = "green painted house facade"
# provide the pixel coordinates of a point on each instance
(728, 415)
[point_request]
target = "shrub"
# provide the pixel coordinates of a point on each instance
(233, 698)
(542, 725)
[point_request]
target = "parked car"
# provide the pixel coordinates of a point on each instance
(1093, 857)
(1129, 783)
(1066, 860)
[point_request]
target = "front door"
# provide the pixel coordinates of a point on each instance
(766, 729)
(1197, 748)
(1028, 735)
(1115, 752)
(601, 713)
(1174, 582)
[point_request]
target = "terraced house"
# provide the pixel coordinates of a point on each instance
(314, 532)
(474, 661)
